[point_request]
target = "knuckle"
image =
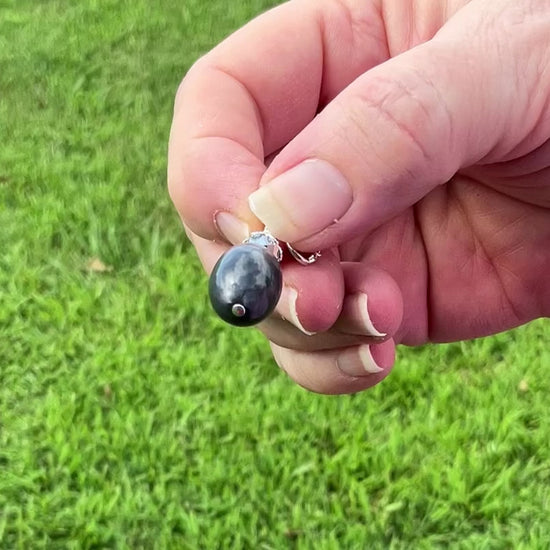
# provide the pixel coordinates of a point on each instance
(184, 189)
(196, 71)
(176, 182)
(408, 111)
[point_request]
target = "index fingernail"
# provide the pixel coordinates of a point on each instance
(231, 228)
(303, 201)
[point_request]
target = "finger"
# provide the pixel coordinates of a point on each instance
(409, 124)
(282, 333)
(208, 251)
(347, 370)
(312, 295)
(252, 94)
(373, 305)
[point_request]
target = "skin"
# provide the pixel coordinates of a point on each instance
(436, 114)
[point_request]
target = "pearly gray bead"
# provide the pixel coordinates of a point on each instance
(245, 285)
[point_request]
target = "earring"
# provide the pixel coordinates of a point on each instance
(246, 282)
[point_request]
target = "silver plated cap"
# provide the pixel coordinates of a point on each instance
(268, 241)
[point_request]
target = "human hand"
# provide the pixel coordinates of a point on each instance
(428, 181)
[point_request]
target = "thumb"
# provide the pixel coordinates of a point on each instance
(408, 125)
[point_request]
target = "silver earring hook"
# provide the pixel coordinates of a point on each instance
(311, 259)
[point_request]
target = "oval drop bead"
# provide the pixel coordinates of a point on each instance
(245, 285)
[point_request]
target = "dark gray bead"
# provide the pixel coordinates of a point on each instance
(245, 285)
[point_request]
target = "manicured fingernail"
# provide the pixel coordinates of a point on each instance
(287, 308)
(355, 318)
(302, 201)
(231, 228)
(358, 361)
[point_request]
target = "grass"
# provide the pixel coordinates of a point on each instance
(131, 418)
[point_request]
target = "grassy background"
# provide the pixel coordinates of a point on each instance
(131, 418)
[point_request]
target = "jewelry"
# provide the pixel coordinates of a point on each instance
(246, 282)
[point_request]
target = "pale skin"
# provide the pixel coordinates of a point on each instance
(426, 127)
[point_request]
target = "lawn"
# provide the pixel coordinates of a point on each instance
(130, 417)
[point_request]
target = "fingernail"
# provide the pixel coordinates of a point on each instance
(302, 201)
(287, 309)
(355, 318)
(358, 361)
(231, 228)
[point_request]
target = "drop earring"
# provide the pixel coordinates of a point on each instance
(246, 282)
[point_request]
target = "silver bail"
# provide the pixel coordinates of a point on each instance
(268, 241)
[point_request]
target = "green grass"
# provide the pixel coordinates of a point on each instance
(131, 418)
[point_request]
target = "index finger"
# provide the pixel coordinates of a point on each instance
(253, 93)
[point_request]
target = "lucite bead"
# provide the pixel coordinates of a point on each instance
(245, 285)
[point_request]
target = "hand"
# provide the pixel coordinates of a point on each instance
(409, 142)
